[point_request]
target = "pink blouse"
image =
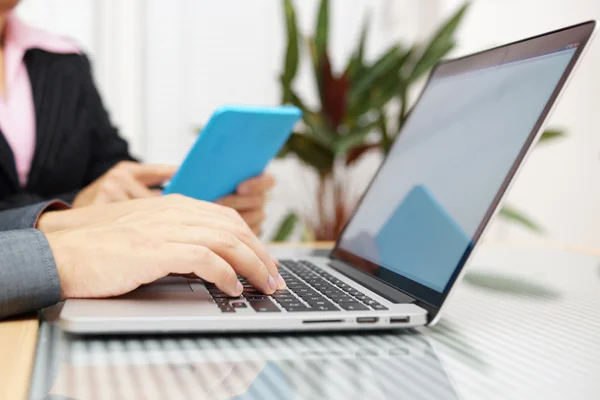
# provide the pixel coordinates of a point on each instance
(17, 112)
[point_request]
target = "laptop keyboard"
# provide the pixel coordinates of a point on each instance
(309, 288)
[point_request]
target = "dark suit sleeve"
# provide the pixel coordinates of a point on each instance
(28, 275)
(108, 148)
(26, 199)
(27, 217)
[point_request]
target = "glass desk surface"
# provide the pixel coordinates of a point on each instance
(525, 324)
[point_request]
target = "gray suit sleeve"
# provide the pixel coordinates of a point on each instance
(26, 217)
(28, 275)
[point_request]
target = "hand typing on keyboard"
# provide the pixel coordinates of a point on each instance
(309, 289)
(137, 242)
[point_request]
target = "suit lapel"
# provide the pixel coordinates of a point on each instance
(7, 163)
(38, 75)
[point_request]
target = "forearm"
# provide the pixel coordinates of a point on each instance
(28, 274)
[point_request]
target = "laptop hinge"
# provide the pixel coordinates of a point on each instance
(382, 289)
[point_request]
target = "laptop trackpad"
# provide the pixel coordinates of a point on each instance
(168, 284)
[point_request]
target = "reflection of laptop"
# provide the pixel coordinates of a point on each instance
(251, 367)
(463, 143)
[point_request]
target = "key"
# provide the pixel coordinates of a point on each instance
(379, 307)
(256, 298)
(224, 296)
(265, 306)
(313, 298)
(287, 300)
(354, 306)
(346, 301)
(322, 303)
(227, 309)
(296, 309)
(329, 307)
(239, 305)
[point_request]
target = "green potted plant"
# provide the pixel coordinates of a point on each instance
(355, 115)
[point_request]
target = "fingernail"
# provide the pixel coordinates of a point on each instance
(272, 284)
(243, 189)
(238, 288)
(281, 282)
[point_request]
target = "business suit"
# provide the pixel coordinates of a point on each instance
(28, 275)
(75, 141)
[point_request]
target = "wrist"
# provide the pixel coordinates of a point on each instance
(61, 261)
(49, 221)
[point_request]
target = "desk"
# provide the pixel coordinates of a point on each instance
(525, 324)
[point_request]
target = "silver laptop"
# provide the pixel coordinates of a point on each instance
(405, 248)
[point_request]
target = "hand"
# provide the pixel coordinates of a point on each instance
(173, 234)
(126, 180)
(249, 200)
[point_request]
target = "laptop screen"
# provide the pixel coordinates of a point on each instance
(425, 207)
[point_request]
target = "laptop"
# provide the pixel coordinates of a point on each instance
(405, 248)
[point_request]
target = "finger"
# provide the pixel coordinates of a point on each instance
(239, 228)
(153, 174)
(195, 212)
(257, 230)
(113, 192)
(243, 202)
(206, 265)
(231, 249)
(257, 185)
(202, 207)
(135, 189)
(253, 218)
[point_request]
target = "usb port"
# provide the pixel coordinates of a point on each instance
(399, 320)
(367, 320)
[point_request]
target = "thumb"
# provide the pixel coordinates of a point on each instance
(153, 174)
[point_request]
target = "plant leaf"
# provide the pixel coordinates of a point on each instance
(314, 121)
(357, 61)
(334, 94)
(441, 43)
(386, 140)
(311, 152)
(322, 30)
(377, 85)
(314, 56)
(550, 135)
(517, 217)
(387, 63)
(292, 51)
(286, 227)
(308, 234)
(355, 138)
(357, 152)
(429, 59)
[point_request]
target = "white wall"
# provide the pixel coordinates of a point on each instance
(164, 66)
(560, 184)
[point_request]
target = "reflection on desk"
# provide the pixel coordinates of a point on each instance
(524, 325)
(244, 367)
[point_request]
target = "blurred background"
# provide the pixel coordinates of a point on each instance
(164, 66)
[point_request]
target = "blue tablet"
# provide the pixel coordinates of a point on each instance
(237, 144)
